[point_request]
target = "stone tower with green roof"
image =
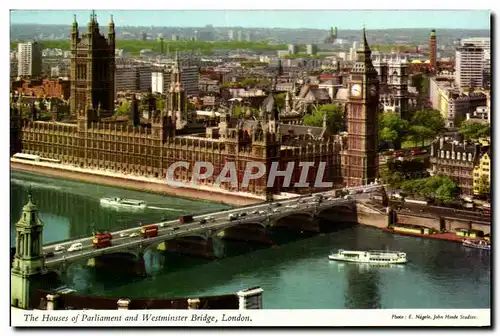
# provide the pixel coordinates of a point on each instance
(29, 261)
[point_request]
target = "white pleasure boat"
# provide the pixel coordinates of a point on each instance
(124, 202)
(371, 257)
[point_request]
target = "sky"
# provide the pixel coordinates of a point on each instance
(343, 19)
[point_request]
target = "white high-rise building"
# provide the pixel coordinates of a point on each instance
(29, 59)
(485, 43)
(482, 42)
(470, 65)
(190, 78)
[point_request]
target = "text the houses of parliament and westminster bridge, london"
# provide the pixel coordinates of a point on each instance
(298, 188)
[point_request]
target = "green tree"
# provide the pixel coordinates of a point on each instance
(431, 119)
(239, 111)
(123, 109)
(392, 128)
(280, 100)
(447, 191)
(473, 130)
(190, 107)
(387, 134)
(160, 103)
(418, 134)
(417, 81)
(204, 47)
(335, 118)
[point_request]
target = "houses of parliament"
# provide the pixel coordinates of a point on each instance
(149, 140)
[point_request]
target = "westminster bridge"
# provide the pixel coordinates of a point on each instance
(196, 238)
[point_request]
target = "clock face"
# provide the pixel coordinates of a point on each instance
(373, 90)
(356, 90)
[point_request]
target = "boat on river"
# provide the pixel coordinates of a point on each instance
(124, 202)
(477, 243)
(370, 257)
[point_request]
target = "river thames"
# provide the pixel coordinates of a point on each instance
(294, 275)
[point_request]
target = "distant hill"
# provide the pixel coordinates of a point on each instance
(406, 36)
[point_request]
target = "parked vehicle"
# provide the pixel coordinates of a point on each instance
(243, 214)
(60, 248)
(203, 221)
(232, 217)
(49, 254)
(103, 239)
(134, 234)
(149, 231)
(186, 219)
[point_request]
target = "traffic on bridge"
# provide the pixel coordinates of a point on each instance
(112, 242)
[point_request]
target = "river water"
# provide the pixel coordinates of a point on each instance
(294, 275)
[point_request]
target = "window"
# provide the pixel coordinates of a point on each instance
(442, 154)
(458, 155)
(453, 155)
(447, 154)
(470, 157)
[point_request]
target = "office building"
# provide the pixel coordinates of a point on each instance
(471, 61)
(312, 49)
(190, 79)
(29, 59)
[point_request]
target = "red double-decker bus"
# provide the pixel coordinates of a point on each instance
(102, 240)
(149, 231)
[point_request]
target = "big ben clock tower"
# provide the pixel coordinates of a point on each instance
(361, 159)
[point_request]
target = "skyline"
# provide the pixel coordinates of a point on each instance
(288, 19)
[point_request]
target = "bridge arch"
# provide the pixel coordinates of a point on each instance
(235, 225)
(281, 216)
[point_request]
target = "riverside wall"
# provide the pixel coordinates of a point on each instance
(367, 215)
(127, 183)
(372, 216)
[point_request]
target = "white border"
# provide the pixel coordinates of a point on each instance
(252, 318)
(188, 4)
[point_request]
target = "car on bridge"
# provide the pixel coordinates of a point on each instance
(75, 247)
(59, 248)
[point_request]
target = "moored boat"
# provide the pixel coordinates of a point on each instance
(423, 232)
(124, 202)
(477, 243)
(371, 257)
